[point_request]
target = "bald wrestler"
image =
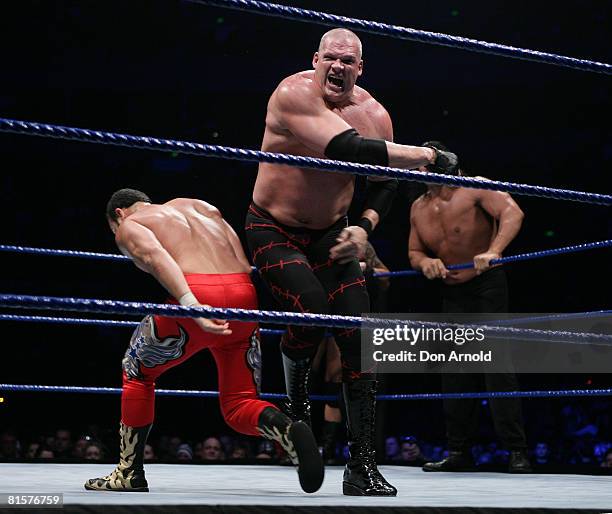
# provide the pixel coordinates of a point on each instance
(452, 225)
(192, 251)
(298, 233)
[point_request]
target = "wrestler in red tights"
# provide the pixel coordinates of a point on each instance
(188, 247)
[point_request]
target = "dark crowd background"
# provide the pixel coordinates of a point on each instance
(183, 71)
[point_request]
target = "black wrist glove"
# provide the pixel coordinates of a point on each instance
(365, 224)
(446, 162)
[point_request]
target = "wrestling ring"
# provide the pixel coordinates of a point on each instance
(187, 488)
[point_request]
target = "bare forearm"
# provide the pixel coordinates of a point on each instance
(509, 226)
(404, 156)
(416, 258)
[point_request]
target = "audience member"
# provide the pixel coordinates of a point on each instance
(266, 450)
(149, 453)
(392, 449)
(560, 453)
(9, 445)
(184, 453)
(541, 454)
(410, 453)
(211, 449)
(32, 450)
(240, 451)
(94, 452)
(78, 450)
(62, 443)
(44, 452)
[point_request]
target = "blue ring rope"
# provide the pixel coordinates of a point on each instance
(164, 392)
(422, 36)
(511, 258)
(99, 322)
(277, 317)
(241, 154)
(402, 33)
(566, 316)
(274, 396)
(267, 331)
(64, 253)
(70, 253)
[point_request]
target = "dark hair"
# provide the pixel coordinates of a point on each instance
(123, 199)
(437, 144)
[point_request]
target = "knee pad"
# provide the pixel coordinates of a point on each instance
(147, 349)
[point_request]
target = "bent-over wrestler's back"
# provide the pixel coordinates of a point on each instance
(195, 235)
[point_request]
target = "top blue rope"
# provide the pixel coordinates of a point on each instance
(395, 31)
(241, 154)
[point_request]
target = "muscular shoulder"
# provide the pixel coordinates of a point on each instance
(474, 195)
(422, 208)
(200, 206)
(376, 112)
(479, 196)
(373, 106)
(132, 231)
(419, 204)
(297, 92)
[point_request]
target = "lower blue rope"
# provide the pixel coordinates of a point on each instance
(97, 322)
(268, 331)
(284, 318)
(275, 396)
(511, 258)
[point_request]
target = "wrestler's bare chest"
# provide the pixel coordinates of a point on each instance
(453, 225)
(361, 118)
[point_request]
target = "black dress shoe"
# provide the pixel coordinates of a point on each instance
(519, 462)
(456, 461)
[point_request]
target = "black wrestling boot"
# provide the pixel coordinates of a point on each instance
(329, 438)
(298, 441)
(519, 462)
(297, 373)
(361, 476)
(129, 474)
(456, 461)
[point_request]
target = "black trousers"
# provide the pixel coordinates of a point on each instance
(486, 293)
(295, 265)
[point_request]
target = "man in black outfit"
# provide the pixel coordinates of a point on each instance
(299, 237)
(452, 225)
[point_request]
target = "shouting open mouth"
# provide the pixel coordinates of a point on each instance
(336, 83)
